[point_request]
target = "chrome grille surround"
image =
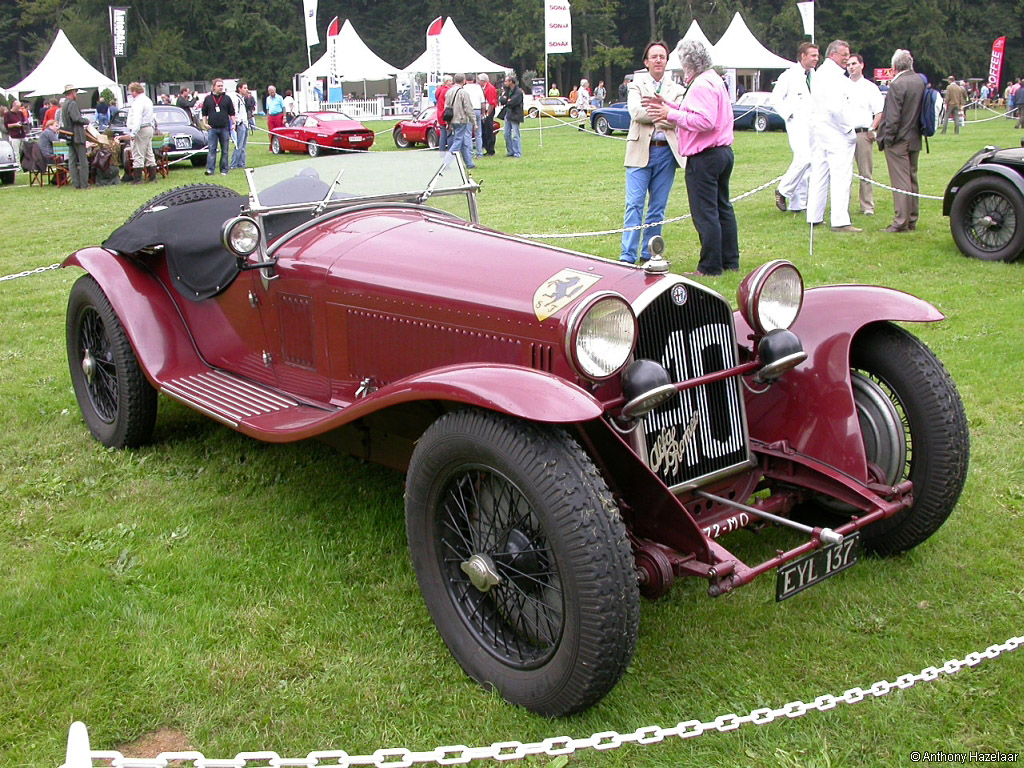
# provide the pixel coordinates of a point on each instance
(702, 433)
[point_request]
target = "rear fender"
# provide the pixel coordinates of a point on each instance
(149, 316)
(988, 169)
(811, 408)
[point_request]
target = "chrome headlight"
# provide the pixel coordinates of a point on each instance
(770, 297)
(601, 336)
(241, 235)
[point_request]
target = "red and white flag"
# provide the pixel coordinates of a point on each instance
(332, 51)
(557, 26)
(434, 49)
(995, 67)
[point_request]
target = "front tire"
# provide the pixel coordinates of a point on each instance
(400, 141)
(914, 427)
(117, 401)
(602, 126)
(574, 113)
(433, 138)
(275, 145)
(533, 112)
(987, 219)
(522, 559)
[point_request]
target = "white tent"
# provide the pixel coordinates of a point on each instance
(739, 49)
(62, 65)
(693, 33)
(356, 62)
(456, 55)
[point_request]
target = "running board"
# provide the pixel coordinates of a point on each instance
(244, 405)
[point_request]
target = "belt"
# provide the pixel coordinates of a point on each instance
(659, 143)
(860, 130)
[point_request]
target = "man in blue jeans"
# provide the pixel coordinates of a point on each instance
(242, 118)
(651, 154)
(462, 120)
(218, 113)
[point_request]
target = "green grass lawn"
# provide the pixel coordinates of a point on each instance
(233, 595)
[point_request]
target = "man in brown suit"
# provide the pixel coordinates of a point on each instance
(900, 137)
(956, 100)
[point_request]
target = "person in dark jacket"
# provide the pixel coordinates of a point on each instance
(512, 100)
(73, 129)
(899, 135)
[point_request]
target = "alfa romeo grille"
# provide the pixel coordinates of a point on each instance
(702, 431)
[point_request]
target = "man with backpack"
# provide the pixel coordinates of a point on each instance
(899, 136)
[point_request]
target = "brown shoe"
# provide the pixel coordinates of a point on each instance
(891, 228)
(847, 228)
(780, 201)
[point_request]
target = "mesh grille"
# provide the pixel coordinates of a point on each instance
(701, 431)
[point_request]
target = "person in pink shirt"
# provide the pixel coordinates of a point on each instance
(703, 120)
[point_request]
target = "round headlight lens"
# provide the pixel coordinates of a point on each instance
(604, 337)
(771, 296)
(242, 236)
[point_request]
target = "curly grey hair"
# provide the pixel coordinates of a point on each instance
(693, 56)
(902, 60)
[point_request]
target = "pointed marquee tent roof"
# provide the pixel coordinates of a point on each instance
(456, 55)
(739, 49)
(61, 65)
(693, 33)
(356, 62)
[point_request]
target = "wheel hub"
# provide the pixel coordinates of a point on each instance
(481, 571)
(88, 365)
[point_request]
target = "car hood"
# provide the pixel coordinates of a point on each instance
(422, 260)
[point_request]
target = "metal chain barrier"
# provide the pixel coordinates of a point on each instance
(79, 754)
(29, 272)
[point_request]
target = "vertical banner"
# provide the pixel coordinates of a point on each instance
(557, 27)
(434, 52)
(807, 14)
(119, 30)
(995, 67)
(309, 11)
(332, 54)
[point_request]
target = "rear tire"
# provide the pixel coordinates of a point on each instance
(314, 149)
(987, 219)
(602, 126)
(760, 123)
(117, 401)
(522, 559)
(433, 138)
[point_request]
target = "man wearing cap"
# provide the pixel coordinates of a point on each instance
(140, 128)
(73, 130)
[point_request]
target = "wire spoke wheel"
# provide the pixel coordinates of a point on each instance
(987, 219)
(522, 559)
(488, 527)
(991, 221)
(98, 365)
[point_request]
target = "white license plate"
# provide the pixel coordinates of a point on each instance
(816, 566)
(183, 142)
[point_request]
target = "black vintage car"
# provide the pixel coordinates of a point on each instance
(985, 204)
(187, 139)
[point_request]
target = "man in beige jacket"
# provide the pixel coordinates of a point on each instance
(652, 154)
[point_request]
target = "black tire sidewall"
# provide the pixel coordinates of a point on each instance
(602, 126)
(962, 203)
(549, 688)
(400, 141)
(137, 400)
(189, 193)
(760, 123)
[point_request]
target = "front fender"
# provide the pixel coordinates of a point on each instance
(520, 392)
(965, 175)
(148, 315)
(812, 407)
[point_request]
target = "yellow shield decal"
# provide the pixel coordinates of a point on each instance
(559, 290)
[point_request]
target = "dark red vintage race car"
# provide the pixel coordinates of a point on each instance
(576, 432)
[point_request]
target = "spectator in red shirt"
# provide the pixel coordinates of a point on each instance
(487, 121)
(444, 136)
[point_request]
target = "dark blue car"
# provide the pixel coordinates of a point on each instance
(614, 117)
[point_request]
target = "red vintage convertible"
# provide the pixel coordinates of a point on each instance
(576, 432)
(316, 132)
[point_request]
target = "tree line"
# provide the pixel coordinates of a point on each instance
(263, 41)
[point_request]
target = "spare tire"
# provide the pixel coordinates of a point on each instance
(190, 193)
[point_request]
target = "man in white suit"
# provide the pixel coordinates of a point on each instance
(833, 140)
(652, 153)
(791, 98)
